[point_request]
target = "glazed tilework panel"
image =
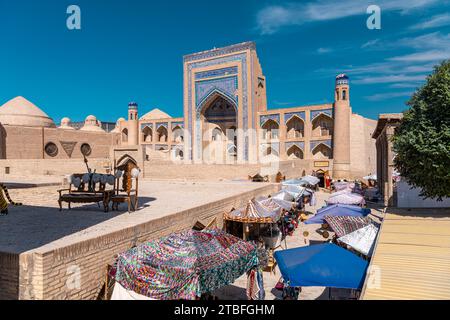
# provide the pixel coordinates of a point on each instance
(316, 113)
(216, 73)
(299, 144)
(226, 86)
(220, 52)
(242, 58)
(162, 124)
(275, 146)
(179, 124)
(288, 116)
(316, 143)
(143, 125)
(264, 118)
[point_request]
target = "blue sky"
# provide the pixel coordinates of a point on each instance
(132, 51)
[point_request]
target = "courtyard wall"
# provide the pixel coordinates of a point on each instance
(48, 273)
(52, 167)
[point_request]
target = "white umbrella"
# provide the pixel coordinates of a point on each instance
(362, 240)
(311, 180)
(370, 177)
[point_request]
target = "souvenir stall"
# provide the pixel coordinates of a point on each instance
(342, 225)
(338, 210)
(321, 265)
(186, 266)
(346, 197)
(255, 221)
(261, 220)
(361, 240)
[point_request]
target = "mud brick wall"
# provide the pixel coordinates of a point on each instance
(9, 276)
(46, 274)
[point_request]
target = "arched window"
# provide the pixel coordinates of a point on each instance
(270, 151)
(321, 151)
(295, 128)
(344, 94)
(125, 135)
(162, 134)
(216, 134)
(322, 125)
(270, 129)
(294, 152)
(147, 134)
(177, 134)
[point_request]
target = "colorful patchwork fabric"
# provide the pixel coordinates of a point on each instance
(343, 225)
(185, 265)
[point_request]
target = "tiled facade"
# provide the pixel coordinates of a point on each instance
(225, 92)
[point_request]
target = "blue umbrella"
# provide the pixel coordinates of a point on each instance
(338, 210)
(321, 265)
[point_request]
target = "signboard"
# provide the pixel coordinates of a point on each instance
(321, 164)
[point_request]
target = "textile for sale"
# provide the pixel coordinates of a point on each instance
(185, 265)
(343, 225)
(273, 202)
(256, 212)
(362, 240)
(346, 197)
(255, 285)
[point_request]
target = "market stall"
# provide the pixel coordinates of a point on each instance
(184, 265)
(337, 210)
(362, 240)
(257, 219)
(322, 265)
(342, 225)
(346, 197)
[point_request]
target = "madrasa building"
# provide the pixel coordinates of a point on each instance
(225, 121)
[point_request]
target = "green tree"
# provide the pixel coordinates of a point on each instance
(422, 141)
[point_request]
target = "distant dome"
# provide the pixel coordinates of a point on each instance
(117, 127)
(155, 114)
(92, 124)
(65, 124)
(21, 112)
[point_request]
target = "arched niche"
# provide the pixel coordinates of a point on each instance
(162, 134)
(294, 153)
(124, 135)
(322, 125)
(295, 128)
(270, 129)
(147, 134)
(321, 151)
(177, 134)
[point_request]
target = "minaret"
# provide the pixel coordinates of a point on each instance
(341, 135)
(133, 124)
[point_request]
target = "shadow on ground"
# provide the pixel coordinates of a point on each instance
(30, 227)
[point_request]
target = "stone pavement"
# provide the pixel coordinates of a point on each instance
(40, 223)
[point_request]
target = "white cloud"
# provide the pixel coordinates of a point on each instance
(370, 43)
(388, 95)
(324, 50)
(272, 18)
(433, 40)
(405, 85)
(390, 79)
(431, 55)
(439, 20)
